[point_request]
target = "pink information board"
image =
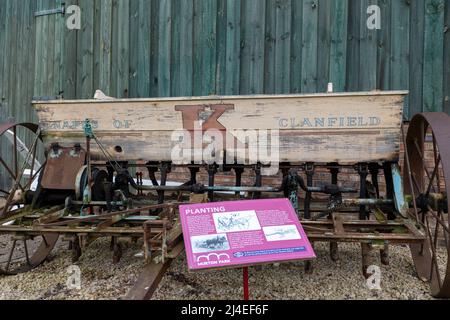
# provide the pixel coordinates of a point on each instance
(240, 233)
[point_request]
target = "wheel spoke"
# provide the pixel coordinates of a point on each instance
(445, 227)
(26, 251)
(21, 260)
(30, 181)
(16, 164)
(8, 203)
(424, 165)
(441, 222)
(45, 241)
(408, 167)
(24, 165)
(416, 184)
(436, 233)
(33, 161)
(434, 262)
(11, 173)
(435, 152)
(433, 176)
(8, 263)
(19, 177)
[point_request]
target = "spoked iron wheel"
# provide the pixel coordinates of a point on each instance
(23, 253)
(19, 165)
(427, 179)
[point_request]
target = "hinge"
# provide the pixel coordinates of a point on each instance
(61, 10)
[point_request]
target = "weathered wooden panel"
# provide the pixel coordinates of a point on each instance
(353, 46)
(252, 47)
(296, 46)
(278, 42)
(345, 128)
(221, 47)
(416, 58)
(324, 44)
(105, 47)
(133, 50)
(338, 46)
(232, 72)
(186, 48)
(433, 55)
(309, 46)
(144, 48)
(447, 60)
(143, 66)
(85, 51)
(367, 50)
(164, 48)
(175, 84)
(148, 48)
(400, 47)
(384, 46)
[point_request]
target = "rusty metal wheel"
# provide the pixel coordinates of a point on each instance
(19, 166)
(20, 254)
(427, 179)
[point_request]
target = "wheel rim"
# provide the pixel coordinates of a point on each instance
(428, 151)
(23, 254)
(22, 157)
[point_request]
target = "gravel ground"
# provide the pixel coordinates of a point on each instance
(101, 279)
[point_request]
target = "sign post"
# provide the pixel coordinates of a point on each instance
(242, 233)
(245, 274)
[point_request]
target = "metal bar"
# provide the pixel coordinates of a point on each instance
(309, 168)
(258, 181)
(98, 203)
(130, 218)
(357, 223)
(363, 172)
(212, 170)
(345, 202)
(366, 237)
(112, 214)
(62, 230)
(48, 12)
(337, 220)
(238, 172)
(165, 168)
(366, 202)
(232, 166)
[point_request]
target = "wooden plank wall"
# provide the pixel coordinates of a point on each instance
(150, 48)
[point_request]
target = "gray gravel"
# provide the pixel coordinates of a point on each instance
(101, 279)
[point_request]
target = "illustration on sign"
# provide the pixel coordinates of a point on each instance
(215, 242)
(240, 233)
(236, 221)
(281, 233)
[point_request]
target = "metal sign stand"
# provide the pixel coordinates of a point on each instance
(245, 283)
